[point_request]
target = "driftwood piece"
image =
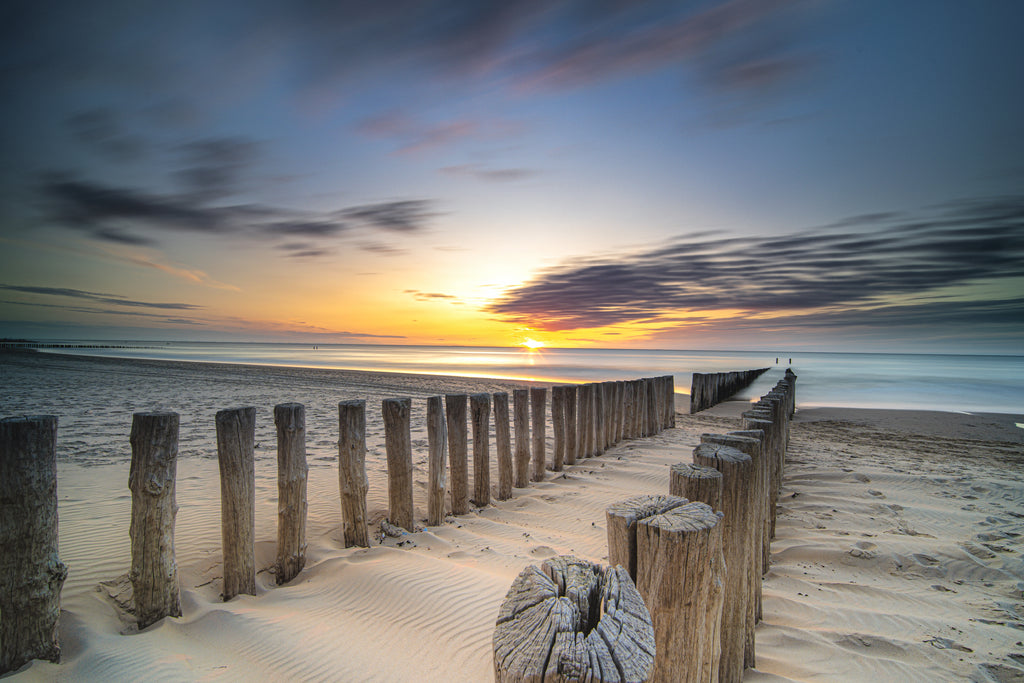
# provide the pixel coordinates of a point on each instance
(679, 575)
(521, 427)
(151, 479)
(437, 449)
(737, 532)
(352, 482)
(503, 446)
(236, 442)
(455, 412)
(697, 483)
(622, 518)
(398, 446)
(480, 416)
(31, 574)
(558, 427)
(292, 472)
(571, 620)
(570, 425)
(538, 430)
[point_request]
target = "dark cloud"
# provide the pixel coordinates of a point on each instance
(836, 270)
(109, 299)
(408, 215)
(216, 168)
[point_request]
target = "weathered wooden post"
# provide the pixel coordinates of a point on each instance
(570, 425)
(583, 418)
(558, 427)
(352, 482)
(571, 620)
(628, 408)
(236, 441)
(31, 574)
(521, 419)
(622, 518)
(737, 486)
(503, 444)
(292, 471)
(679, 575)
(670, 400)
(538, 428)
(620, 409)
(151, 478)
(398, 445)
(652, 406)
(480, 416)
(437, 447)
(455, 410)
(696, 483)
(600, 423)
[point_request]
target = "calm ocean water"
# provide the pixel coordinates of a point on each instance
(864, 380)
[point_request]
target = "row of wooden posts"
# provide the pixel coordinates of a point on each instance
(708, 389)
(696, 557)
(586, 420)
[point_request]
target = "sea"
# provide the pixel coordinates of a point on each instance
(948, 382)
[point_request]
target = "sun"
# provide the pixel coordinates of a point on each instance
(532, 344)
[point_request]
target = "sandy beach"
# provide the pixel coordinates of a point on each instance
(898, 556)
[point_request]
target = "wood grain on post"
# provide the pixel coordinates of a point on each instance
(151, 478)
(652, 406)
(679, 576)
(628, 409)
(538, 430)
(521, 426)
(503, 445)
(620, 410)
(30, 571)
(670, 397)
(583, 418)
(737, 485)
(622, 518)
(398, 445)
(292, 472)
(236, 441)
(352, 482)
(696, 483)
(571, 620)
(570, 425)
(480, 416)
(600, 421)
(458, 464)
(558, 427)
(437, 450)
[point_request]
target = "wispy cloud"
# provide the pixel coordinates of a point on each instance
(857, 269)
(110, 299)
(481, 172)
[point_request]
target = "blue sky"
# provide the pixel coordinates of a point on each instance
(820, 174)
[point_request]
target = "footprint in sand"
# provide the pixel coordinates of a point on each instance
(543, 551)
(877, 494)
(863, 550)
(863, 478)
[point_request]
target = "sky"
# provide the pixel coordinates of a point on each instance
(739, 174)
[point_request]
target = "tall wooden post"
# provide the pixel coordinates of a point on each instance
(455, 412)
(151, 478)
(292, 471)
(538, 428)
(503, 445)
(31, 575)
(521, 410)
(620, 410)
(236, 441)
(600, 421)
(398, 445)
(696, 483)
(582, 420)
(558, 427)
(622, 518)
(352, 482)
(570, 425)
(437, 447)
(480, 412)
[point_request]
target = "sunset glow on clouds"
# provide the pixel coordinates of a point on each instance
(721, 173)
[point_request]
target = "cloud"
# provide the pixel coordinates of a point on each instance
(109, 299)
(432, 296)
(851, 268)
(409, 215)
(215, 168)
(100, 129)
(490, 174)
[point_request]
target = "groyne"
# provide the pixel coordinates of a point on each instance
(711, 388)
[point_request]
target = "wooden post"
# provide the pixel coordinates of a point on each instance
(480, 412)
(558, 427)
(737, 486)
(620, 410)
(696, 483)
(652, 407)
(437, 447)
(503, 444)
(292, 471)
(455, 411)
(236, 441)
(151, 478)
(31, 575)
(570, 425)
(582, 421)
(628, 409)
(538, 397)
(398, 445)
(670, 398)
(600, 423)
(679, 576)
(521, 418)
(352, 482)
(570, 620)
(622, 518)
